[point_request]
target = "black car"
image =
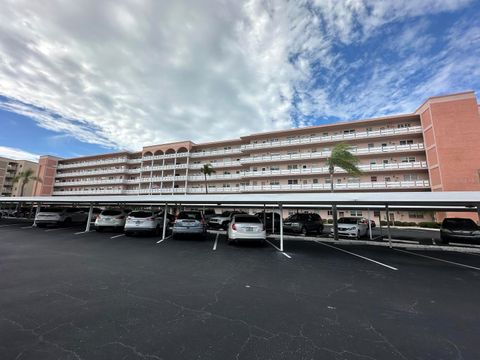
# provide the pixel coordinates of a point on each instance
(459, 230)
(267, 220)
(303, 223)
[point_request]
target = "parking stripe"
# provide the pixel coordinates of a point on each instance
(48, 230)
(442, 260)
(83, 232)
(281, 252)
(116, 236)
(5, 225)
(216, 241)
(360, 256)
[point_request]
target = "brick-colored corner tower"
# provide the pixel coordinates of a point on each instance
(47, 167)
(451, 132)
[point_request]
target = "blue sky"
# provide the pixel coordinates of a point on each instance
(158, 71)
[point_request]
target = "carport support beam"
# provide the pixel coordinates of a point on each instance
(388, 227)
(478, 213)
(89, 220)
(39, 205)
(369, 225)
(164, 230)
(280, 208)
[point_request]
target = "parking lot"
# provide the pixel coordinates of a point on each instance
(67, 294)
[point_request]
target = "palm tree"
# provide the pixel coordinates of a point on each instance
(207, 169)
(341, 157)
(25, 177)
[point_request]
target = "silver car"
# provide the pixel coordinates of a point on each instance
(111, 219)
(246, 227)
(143, 221)
(352, 227)
(190, 222)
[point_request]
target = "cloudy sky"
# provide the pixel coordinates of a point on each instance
(88, 76)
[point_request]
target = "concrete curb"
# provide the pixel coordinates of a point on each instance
(395, 244)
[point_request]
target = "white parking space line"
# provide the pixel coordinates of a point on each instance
(168, 237)
(116, 236)
(216, 241)
(281, 252)
(55, 229)
(438, 259)
(360, 256)
(83, 232)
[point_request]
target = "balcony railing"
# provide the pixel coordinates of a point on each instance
(216, 153)
(106, 161)
(340, 137)
(91, 172)
(324, 154)
(91, 182)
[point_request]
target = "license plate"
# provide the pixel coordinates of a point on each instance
(249, 228)
(138, 222)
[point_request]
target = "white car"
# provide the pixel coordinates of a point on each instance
(142, 221)
(246, 227)
(60, 216)
(111, 219)
(352, 227)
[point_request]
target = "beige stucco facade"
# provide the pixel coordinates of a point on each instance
(9, 168)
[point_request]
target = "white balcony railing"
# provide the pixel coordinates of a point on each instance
(91, 172)
(325, 154)
(93, 163)
(216, 152)
(90, 182)
(340, 137)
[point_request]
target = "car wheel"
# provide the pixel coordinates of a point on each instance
(320, 230)
(225, 225)
(444, 241)
(303, 232)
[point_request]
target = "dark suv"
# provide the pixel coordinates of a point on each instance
(459, 230)
(303, 223)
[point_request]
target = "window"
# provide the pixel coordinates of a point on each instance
(410, 177)
(274, 182)
(353, 180)
(385, 161)
(356, 213)
(373, 178)
(339, 181)
(315, 181)
(292, 182)
(406, 142)
(325, 134)
(292, 167)
(415, 215)
(352, 131)
(327, 181)
(330, 212)
(387, 179)
(304, 166)
(274, 168)
(384, 145)
(305, 182)
(373, 162)
(369, 129)
(405, 125)
(408, 159)
(371, 145)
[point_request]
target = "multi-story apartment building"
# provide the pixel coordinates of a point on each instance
(9, 169)
(436, 148)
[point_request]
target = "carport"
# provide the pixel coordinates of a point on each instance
(385, 201)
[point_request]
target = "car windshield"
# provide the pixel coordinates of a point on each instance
(111, 212)
(348, 221)
(54, 210)
(459, 224)
(141, 214)
(247, 219)
(189, 215)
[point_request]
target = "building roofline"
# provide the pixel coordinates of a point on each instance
(433, 98)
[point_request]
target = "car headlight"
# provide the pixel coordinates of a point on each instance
(295, 224)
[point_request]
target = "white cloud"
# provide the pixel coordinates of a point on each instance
(17, 154)
(127, 74)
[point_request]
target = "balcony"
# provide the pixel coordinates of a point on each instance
(91, 173)
(165, 156)
(91, 182)
(201, 154)
(315, 140)
(89, 192)
(324, 154)
(419, 165)
(93, 163)
(217, 165)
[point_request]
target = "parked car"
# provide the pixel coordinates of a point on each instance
(143, 221)
(222, 221)
(60, 216)
(209, 213)
(268, 220)
(459, 230)
(352, 227)
(191, 223)
(111, 219)
(303, 223)
(246, 227)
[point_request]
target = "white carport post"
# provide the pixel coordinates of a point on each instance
(264, 217)
(39, 205)
(89, 220)
(164, 230)
(388, 226)
(369, 225)
(478, 213)
(280, 207)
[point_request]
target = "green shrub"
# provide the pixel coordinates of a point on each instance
(429, 224)
(330, 221)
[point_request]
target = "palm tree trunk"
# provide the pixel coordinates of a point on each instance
(334, 206)
(206, 187)
(22, 189)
